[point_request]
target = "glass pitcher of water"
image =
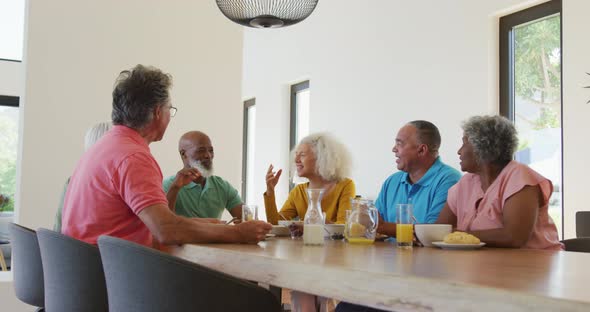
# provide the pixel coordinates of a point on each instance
(361, 222)
(313, 223)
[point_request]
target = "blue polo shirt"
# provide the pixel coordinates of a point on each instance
(427, 195)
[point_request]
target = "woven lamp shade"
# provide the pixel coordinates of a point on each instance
(267, 13)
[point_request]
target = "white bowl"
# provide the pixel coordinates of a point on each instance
(428, 233)
(334, 229)
(280, 230)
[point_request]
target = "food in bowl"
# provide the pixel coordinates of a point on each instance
(461, 238)
(334, 231)
(428, 233)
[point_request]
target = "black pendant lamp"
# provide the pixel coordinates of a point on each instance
(267, 13)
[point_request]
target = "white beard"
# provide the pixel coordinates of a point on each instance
(205, 173)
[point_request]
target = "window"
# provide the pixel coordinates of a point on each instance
(12, 23)
(299, 112)
(248, 151)
(299, 117)
(8, 150)
(530, 92)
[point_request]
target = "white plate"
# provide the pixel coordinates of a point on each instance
(444, 245)
(269, 236)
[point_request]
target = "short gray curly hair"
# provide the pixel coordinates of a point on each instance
(494, 138)
(137, 92)
(333, 161)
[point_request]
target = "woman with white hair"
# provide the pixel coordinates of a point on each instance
(499, 200)
(91, 137)
(325, 163)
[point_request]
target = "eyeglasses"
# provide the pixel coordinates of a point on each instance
(173, 111)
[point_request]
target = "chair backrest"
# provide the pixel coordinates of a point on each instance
(144, 279)
(581, 244)
(583, 224)
(27, 269)
(73, 274)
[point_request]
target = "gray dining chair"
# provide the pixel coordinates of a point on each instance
(144, 279)
(583, 224)
(73, 274)
(581, 244)
(27, 269)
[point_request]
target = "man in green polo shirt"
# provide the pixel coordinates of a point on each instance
(206, 195)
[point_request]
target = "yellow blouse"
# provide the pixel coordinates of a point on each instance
(334, 204)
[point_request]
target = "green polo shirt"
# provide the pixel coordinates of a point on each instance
(194, 201)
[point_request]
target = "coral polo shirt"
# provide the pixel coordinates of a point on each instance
(113, 182)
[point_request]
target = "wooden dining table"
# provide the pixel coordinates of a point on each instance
(422, 279)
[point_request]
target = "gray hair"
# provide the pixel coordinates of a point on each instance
(333, 160)
(427, 134)
(494, 138)
(95, 133)
(137, 92)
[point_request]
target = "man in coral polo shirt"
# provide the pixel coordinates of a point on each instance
(116, 187)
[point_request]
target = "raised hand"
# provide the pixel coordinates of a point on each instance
(186, 176)
(272, 179)
(253, 231)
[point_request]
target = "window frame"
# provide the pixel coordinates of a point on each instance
(247, 105)
(9, 100)
(506, 75)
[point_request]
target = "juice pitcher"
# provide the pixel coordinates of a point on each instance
(361, 222)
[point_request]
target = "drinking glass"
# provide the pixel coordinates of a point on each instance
(404, 228)
(249, 212)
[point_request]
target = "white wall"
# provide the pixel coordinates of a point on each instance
(75, 51)
(373, 66)
(11, 78)
(576, 62)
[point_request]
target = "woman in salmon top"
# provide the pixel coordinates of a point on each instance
(499, 200)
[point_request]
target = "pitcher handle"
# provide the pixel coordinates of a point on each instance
(375, 216)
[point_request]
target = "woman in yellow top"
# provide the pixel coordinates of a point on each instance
(325, 162)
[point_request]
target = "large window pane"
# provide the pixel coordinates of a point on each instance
(250, 154)
(537, 109)
(249, 136)
(302, 114)
(8, 154)
(299, 112)
(530, 92)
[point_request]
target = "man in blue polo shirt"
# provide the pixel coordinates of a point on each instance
(423, 179)
(203, 196)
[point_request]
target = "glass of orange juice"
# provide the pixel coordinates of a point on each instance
(404, 229)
